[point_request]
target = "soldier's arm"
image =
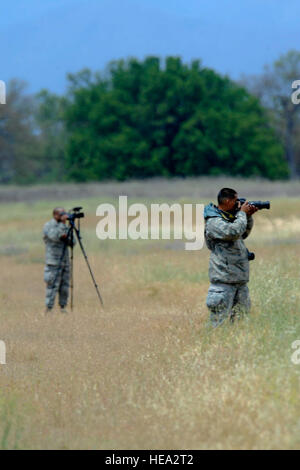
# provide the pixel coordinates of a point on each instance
(55, 233)
(221, 229)
(249, 226)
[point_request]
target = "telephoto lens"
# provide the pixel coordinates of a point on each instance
(259, 204)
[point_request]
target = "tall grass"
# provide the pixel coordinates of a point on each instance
(10, 428)
(148, 371)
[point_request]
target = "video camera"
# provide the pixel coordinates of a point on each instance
(74, 214)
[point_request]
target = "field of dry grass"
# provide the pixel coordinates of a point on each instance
(148, 372)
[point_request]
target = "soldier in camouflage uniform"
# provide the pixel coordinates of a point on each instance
(225, 230)
(55, 237)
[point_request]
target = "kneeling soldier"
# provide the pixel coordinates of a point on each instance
(57, 270)
(226, 226)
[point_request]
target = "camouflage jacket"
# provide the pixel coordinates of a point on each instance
(224, 236)
(52, 232)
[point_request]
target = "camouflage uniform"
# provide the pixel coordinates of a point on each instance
(228, 294)
(53, 231)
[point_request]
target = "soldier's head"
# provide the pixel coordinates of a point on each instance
(227, 198)
(57, 212)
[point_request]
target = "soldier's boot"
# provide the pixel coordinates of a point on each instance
(63, 309)
(48, 311)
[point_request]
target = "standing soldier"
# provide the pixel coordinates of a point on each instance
(226, 226)
(57, 270)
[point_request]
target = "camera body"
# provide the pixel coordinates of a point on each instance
(74, 214)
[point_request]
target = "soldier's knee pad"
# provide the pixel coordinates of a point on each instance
(216, 298)
(49, 276)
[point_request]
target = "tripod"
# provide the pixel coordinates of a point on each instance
(69, 240)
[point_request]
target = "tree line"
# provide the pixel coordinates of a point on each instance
(139, 119)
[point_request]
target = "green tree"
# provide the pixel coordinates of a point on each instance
(19, 146)
(147, 118)
(51, 133)
(274, 89)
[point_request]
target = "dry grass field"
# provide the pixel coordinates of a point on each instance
(148, 372)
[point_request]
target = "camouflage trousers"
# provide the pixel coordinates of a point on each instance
(61, 286)
(227, 301)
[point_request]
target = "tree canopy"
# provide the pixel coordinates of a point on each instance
(153, 118)
(140, 119)
(274, 89)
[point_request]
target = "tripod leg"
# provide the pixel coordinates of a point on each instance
(71, 279)
(71, 271)
(88, 264)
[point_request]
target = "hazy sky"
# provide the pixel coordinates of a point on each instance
(42, 40)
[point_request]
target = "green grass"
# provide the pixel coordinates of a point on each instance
(10, 428)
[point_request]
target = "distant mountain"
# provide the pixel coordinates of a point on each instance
(90, 33)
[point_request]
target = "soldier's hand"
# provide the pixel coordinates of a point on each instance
(253, 209)
(64, 236)
(246, 207)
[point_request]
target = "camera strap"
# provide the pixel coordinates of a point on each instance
(227, 216)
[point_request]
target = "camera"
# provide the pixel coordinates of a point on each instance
(259, 204)
(74, 214)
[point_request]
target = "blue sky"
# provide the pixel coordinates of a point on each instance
(45, 39)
